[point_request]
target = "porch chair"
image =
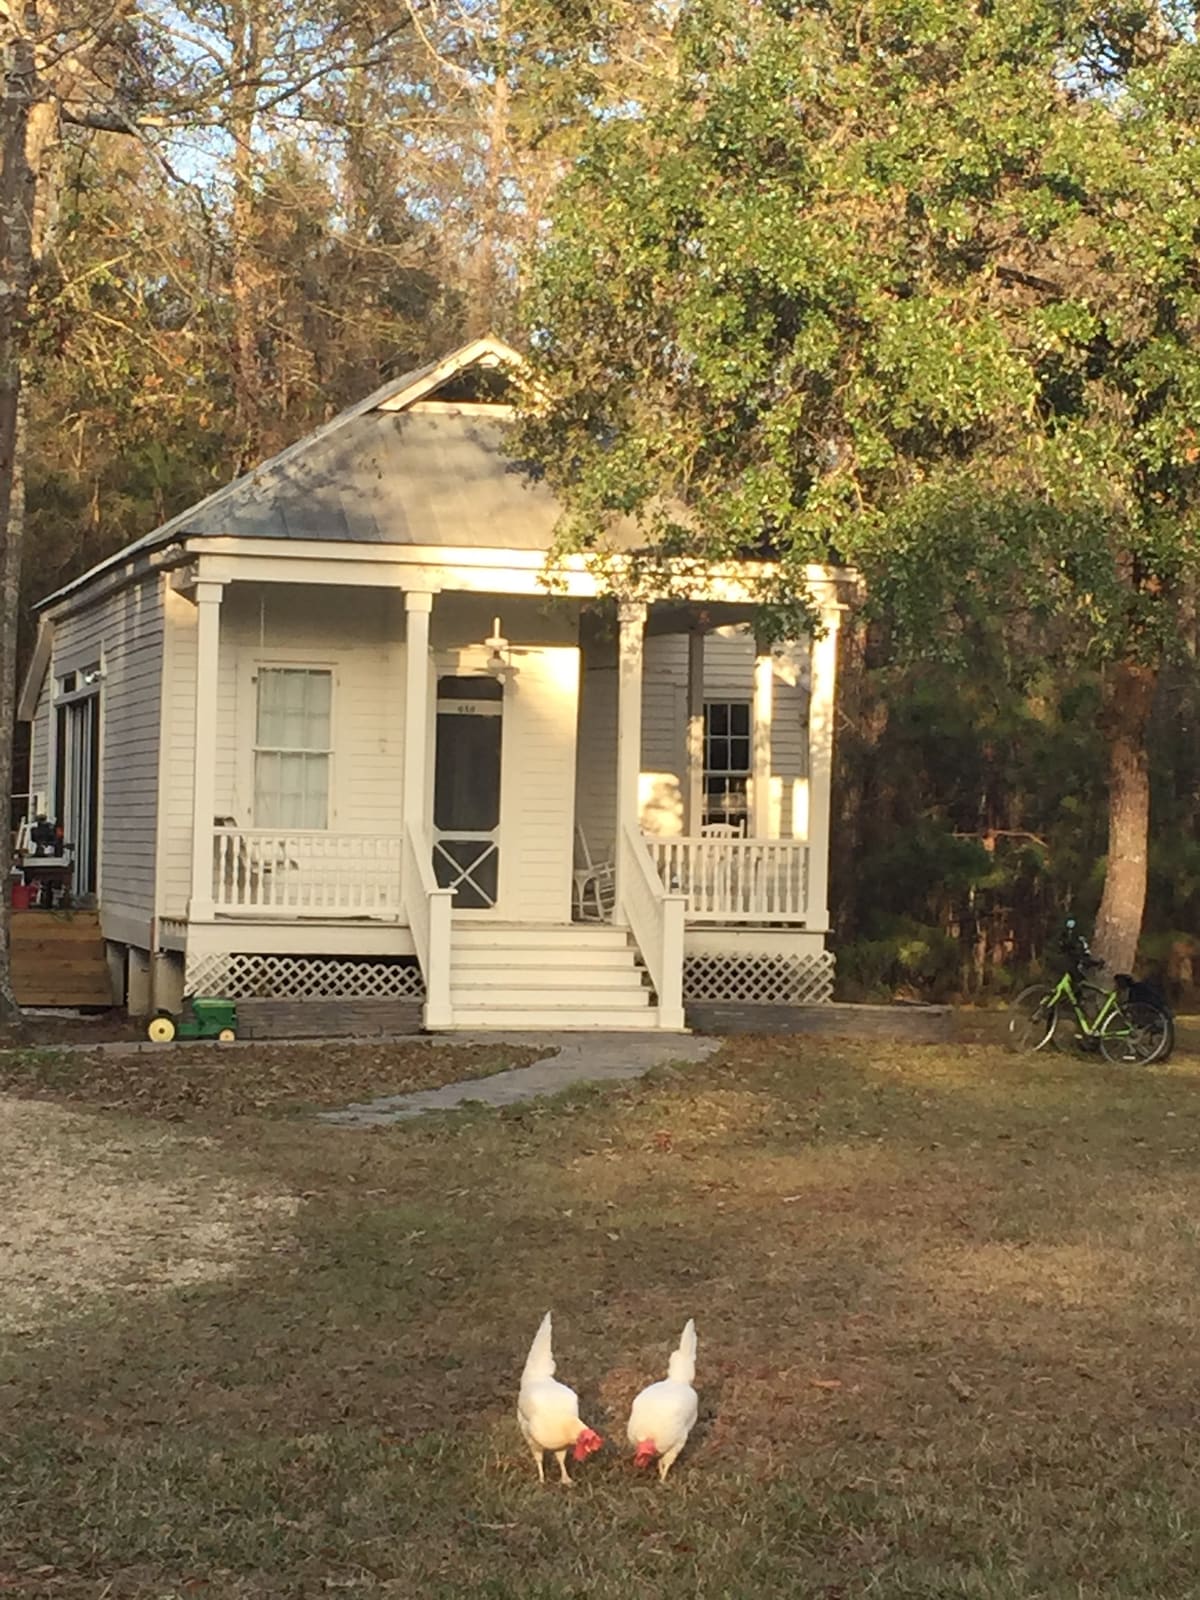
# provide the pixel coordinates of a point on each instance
(595, 884)
(722, 873)
(247, 876)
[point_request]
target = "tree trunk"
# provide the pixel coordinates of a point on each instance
(246, 62)
(484, 313)
(17, 201)
(1128, 696)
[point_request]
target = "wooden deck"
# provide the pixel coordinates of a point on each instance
(58, 959)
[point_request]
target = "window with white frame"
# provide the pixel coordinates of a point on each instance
(726, 762)
(293, 747)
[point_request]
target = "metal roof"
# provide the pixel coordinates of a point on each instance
(390, 477)
(383, 476)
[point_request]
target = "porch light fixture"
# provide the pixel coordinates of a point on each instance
(498, 663)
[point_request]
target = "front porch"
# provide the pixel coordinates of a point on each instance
(492, 736)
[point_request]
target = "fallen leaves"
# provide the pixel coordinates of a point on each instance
(178, 1083)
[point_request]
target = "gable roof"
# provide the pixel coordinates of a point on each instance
(380, 473)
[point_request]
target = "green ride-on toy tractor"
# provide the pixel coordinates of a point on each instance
(200, 1019)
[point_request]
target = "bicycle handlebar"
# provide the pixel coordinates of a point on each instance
(1075, 946)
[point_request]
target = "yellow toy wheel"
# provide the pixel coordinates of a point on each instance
(226, 1036)
(161, 1030)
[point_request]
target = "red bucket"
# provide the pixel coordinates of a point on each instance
(22, 896)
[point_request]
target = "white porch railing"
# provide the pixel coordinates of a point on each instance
(307, 873)
(735, 880)
(656, 921)
(428, 911)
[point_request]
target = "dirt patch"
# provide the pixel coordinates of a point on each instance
(84, 1216)
(184, 1081)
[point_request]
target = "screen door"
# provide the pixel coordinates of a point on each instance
(466, 790)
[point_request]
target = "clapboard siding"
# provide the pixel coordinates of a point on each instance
(124, 631)
(179, 732)
(538, 786)
(133, 645)
(596, 758)
(39, 742)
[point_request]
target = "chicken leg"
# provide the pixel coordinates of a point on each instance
(561, 1457)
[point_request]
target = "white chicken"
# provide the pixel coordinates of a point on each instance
(548, 1411)
(665, 1413)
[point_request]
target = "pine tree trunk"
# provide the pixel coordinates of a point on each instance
(1125, 718)
(17, 200)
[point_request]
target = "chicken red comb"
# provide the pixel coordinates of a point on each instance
(588, 1442)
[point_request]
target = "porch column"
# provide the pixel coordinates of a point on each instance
(693, 793)
(761, 756)
(630, 651)
(821, 706)
(417, 609)
(204, 778)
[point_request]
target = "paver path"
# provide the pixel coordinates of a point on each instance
(578, 1058)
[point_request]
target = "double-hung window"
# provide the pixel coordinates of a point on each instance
(293, 747)
(726, 762)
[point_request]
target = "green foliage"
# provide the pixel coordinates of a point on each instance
(895, 281)
(904, 957)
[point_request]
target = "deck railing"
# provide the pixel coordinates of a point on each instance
(655, 919)
(307, 873)
(735, 880)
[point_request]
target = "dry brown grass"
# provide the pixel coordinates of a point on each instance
(946, 1303)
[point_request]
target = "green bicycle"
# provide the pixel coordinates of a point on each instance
(1126, 1024)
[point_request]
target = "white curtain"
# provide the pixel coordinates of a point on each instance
(292, 748)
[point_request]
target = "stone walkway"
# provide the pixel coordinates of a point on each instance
(578, 1058)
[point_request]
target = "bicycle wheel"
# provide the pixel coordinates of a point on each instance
(1136, 1034)
(1031, 1019)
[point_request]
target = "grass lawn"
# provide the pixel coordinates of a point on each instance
(947, 1304)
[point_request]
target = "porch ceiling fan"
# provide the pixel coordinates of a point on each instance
(498, 664)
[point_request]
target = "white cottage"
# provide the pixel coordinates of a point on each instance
(327, 733)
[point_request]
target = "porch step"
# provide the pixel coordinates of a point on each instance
(570, 976)
(555, 936)
(499, 972)
(563, 1019)
(540, 957)
(557, 989)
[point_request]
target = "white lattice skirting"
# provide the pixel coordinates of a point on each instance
(243, 977)
(760, 980)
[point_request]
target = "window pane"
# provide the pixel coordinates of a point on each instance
(739, 755)
(739, 717)
(293, 709)
(291, 790)
(718, 718)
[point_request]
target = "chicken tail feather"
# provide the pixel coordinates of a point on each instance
(682, 1366)
(539, 1363)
